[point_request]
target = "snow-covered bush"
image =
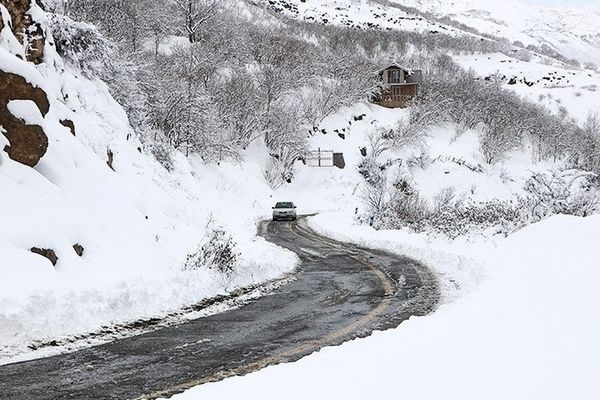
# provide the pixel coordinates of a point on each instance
(162, 154)
(80, 44)
(395, 206)
(468, 217)
(217, 252)
(570, 192)
(126, 83)
(450, 214)
(279, 167)
(447, 198)
(405, 209)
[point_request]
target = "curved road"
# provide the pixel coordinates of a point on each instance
(340, 292)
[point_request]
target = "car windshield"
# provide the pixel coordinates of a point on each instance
(284, 204)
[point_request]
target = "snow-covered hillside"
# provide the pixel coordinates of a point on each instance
(365, 14)
(574, 33)
(120, 232)
(552, 85)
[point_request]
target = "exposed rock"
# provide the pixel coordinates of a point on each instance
(35, 44)
(111, 157)
(17, 9)
(28, 32)
(68, 124)
(78, 249)
(48, 253)
(28, 143)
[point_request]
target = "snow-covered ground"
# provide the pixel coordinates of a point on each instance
(136, 222)
(550, 85)
(518, 312)
(529, 331)
(571, 31)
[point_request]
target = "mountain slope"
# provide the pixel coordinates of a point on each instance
(571, 32)
(575, 34)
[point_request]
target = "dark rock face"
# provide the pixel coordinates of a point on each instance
(48, 253)
(78, 249)
(69, 124)
(36, 41)
(28, 143)
(17, 10)
(110, 158)
(25, 29)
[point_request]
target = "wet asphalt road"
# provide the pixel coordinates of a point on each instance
(340, 292)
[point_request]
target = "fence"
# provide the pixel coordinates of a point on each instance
(320, 158)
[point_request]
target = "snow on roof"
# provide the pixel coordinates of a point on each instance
(388, 66)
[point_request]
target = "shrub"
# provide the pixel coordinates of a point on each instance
(217, 251)
(570, 192)
(459, 219)
(80, 44)
(162, 154)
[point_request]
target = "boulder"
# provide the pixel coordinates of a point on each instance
(68, 124)
(48, 253)
(78, 249)
(28, 143)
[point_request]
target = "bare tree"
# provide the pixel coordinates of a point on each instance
(194, 14)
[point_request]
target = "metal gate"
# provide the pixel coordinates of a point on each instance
(320, 158)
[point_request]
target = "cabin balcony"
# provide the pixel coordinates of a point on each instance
(396, 95)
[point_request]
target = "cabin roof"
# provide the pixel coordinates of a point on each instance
(395, 65)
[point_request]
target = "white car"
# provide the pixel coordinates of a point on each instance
(284, 210)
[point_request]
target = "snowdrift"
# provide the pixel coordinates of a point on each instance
(528, 332)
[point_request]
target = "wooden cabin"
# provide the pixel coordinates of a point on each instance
(401, 85)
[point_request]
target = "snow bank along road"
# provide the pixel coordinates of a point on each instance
(340, 292)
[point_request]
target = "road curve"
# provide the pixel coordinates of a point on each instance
(340, 292)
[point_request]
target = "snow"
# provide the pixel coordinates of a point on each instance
(572, 31)
(553, 86)
(529, 331)
(136, 224)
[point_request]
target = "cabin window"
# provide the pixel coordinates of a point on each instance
(394, 76)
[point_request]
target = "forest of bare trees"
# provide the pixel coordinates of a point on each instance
(201, 76)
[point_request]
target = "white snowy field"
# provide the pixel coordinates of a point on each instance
(529, 331)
